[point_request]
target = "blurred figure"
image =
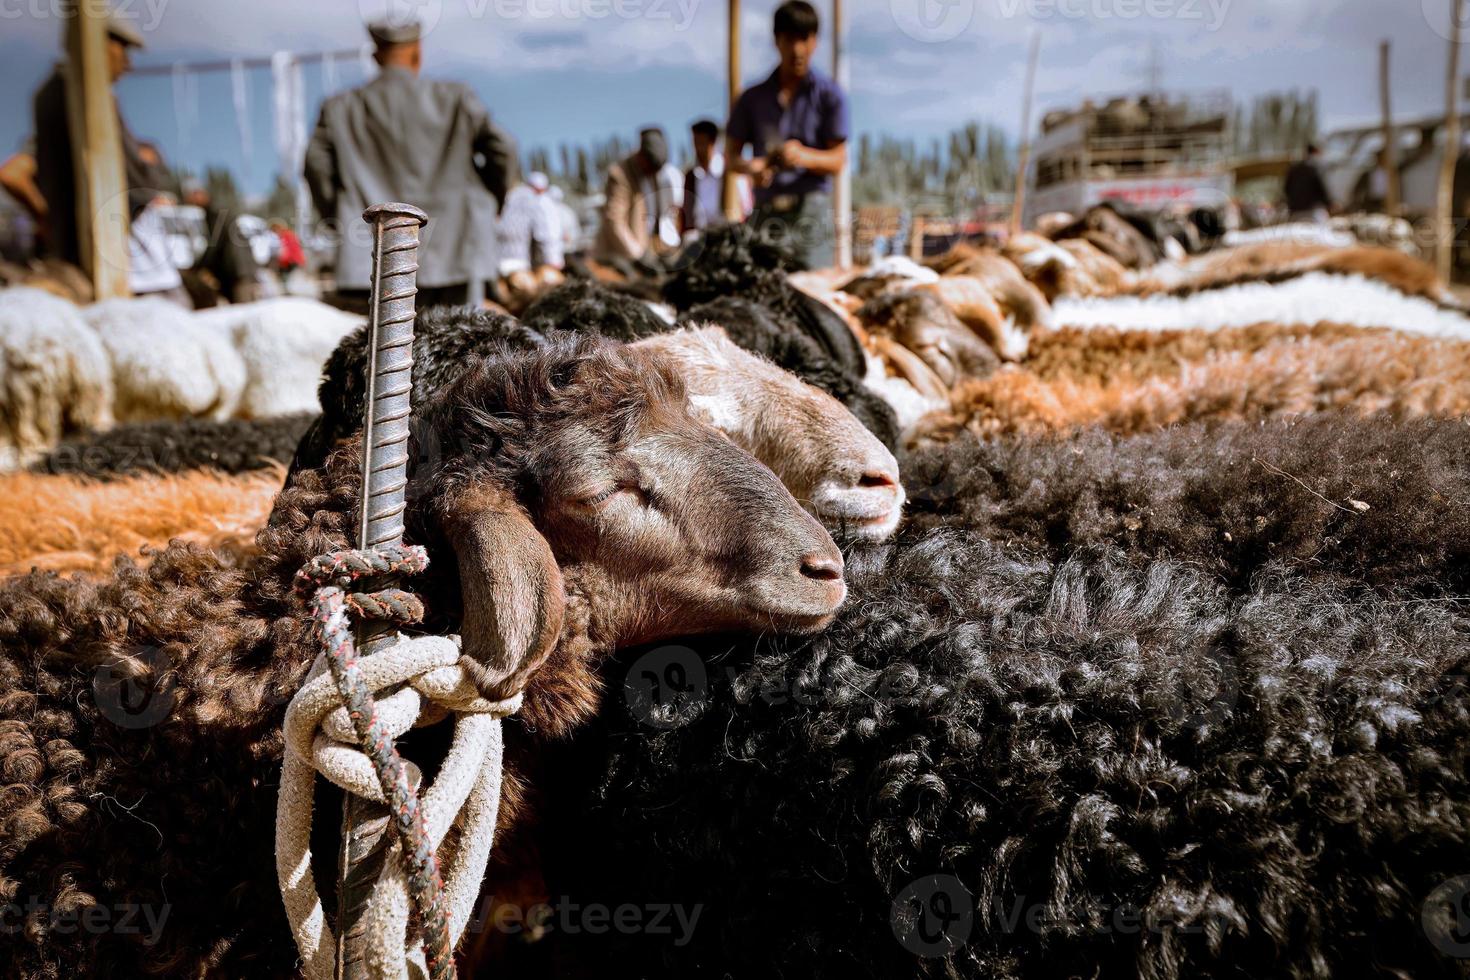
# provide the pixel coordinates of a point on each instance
(404, 138)
(643, 198)
(46, 184)
(796, 123)
(704, 182)
(1305, 190)
(227, 257)
(530, 228)
(568, 224)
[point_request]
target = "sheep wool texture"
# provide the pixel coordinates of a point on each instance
(55, 375)
(167, 363)
(233, 446)
(998, 766)
(283, 342)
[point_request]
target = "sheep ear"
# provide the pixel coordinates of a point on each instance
(512, 591)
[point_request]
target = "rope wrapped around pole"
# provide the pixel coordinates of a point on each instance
(334, 726)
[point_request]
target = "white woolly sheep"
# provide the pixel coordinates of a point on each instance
(167, 364)
(55, 376)
(284, 342)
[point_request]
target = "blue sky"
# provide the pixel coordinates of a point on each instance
(553, 70)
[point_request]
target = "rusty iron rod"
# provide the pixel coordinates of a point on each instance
(381, 508)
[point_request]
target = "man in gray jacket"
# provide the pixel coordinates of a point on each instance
(426, 143)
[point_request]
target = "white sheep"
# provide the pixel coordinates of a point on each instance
(55, 376)
(166, 363)
(283, 342)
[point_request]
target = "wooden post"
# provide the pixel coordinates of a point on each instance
(1444, 218)
(732, 89)
(1024, 160)
(916, 237)
(842, 198)
(1390, 157)
(102, 187)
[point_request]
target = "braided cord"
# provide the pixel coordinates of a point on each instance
(326, 579)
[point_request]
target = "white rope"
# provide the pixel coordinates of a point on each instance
(421, 682)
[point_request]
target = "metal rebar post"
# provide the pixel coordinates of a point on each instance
(384, 481)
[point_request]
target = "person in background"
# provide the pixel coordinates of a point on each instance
(46, 181)
(1305, 190)
(704, 182)
(530, 228)
(640, 211)
(568, 223)
(227, 255)
(796, 122)
(405, 138)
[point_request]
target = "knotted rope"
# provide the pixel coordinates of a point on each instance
(342, 724)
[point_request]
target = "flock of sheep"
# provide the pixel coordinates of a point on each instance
(1052, 610)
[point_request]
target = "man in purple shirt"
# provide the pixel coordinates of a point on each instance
(796, 125)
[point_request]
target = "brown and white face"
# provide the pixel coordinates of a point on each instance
(581, 468)
(830, 463)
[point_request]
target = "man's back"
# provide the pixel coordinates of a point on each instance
(403, 138)
(1305, 190)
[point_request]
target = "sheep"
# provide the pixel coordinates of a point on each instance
(1067, 268)
(167, 364)
(1021, 302)
(67, 523)
(733, 261)
(1361, 499)
(923, 324)
(177, 446)
(556, 499)
(970, 300)
(54, 276)
(994, 765)
(587, 306)
(1122, 234)
(55, 376)
(284, 342)
(1406, 377)
(835, 467)
(1312, 298)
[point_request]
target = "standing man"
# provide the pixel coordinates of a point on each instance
(404, 138)
(704, 182)
(45, 179)
(530, 228)
(1305, 190)
(640, 210)
(797, 126)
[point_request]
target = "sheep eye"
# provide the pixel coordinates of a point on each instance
(602, 498)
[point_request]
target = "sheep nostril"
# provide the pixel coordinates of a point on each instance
(875, 478)
(822, 568)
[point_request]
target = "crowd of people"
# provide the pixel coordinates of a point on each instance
(406, 137)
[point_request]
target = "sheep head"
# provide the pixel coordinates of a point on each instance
(579, 469)
(835, 467)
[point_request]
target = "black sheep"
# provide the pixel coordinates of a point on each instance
(997, 766)
(233, 446)
(445, 339)
(585, 306)
(734, 261)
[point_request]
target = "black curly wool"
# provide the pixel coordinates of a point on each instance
(444, 339)
(1372, 501)
(233, 446)
(585, 306)
(733, 260)
(999, 766)
(756, 328)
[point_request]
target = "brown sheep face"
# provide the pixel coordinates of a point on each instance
(580, 470)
